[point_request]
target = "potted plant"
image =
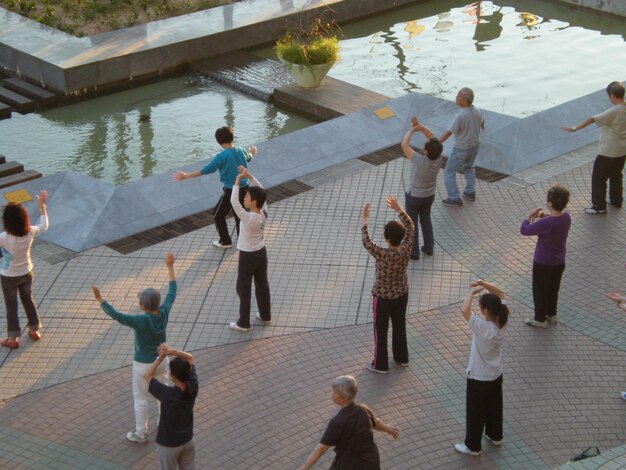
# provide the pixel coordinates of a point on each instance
(308, 54)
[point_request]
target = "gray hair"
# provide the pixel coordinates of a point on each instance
(150, 298)
(346, 387)
(467, 94)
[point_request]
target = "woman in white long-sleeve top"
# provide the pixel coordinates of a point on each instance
(252, 253)
(16, 271)
(484, 410)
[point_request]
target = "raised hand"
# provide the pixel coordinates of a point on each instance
(169, 260)
(366, 213)
(392, 203)
(42, 197)
(96, 293)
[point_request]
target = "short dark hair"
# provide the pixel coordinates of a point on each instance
(181, 369)
(433, 148)
(15, 219)
(394, 232)
(258, 195)
(559, 197)
(616, 89)
(224, 135)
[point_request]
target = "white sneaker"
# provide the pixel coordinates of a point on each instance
(462, 448)
(217, 244)
(265, 322)
(552, 320)
(495, 443)
(236, 327)
(134, 437)
(537, 324)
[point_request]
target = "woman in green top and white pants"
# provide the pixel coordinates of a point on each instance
(150, 329)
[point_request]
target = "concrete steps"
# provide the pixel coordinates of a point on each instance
(12, 173)
(31, 91)
(19, 103)
(23, 97)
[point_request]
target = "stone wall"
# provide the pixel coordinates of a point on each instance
(616, 7)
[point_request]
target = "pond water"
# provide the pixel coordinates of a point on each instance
(107, 138)
(520, 57)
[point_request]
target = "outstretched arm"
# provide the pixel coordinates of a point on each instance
(577, 127)
(392, 203)
(42, 199)
(491, 288)
(169, 262)
(391, 430)
(416, 126)
(466, 308)
(182, 176)
(314, 457)
(165, 350)
(445, 136)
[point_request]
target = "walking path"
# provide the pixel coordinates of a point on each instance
(265, 396)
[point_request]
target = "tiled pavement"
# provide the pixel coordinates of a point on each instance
(265, 397)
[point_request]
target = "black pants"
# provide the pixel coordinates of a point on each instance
(546, 285)
(221, 211)
(394, 310)
(253, 265)
(418, 209)
(23, 285)
(483, 410)
(605, 168)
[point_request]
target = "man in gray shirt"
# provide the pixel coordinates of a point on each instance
(466, 127)
(609, 163)
(420, 190)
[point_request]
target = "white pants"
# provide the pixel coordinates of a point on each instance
(141, 395)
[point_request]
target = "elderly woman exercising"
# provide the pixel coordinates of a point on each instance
(149, 334)
(350, 431)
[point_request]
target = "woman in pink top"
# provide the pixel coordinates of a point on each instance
(16, 274)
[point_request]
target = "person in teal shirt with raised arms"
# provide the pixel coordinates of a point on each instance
(227, 161)
(150, 332)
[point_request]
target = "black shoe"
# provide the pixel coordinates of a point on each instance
(429, 253)
(617, 206)
(469, 196)
(452, 202)
(416, 257)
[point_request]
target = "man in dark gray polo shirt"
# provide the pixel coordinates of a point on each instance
(466, 127)
(420, 189)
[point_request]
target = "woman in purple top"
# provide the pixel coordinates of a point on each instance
(551, 229)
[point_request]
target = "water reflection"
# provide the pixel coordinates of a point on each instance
(436, 47)
(488, 25)
(106, 138)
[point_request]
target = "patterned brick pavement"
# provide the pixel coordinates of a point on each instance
(265, 400)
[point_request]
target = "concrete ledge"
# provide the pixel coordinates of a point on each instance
(79, 66)
(615, 7)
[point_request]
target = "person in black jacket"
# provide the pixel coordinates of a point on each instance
(350, 431)
(175, 444)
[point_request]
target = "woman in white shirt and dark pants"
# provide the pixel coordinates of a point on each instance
(484, 370)
(252, 253)
(16, 267)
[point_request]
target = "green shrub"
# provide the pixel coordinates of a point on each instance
(317, 44)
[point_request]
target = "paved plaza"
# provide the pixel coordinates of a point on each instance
(265, 396)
